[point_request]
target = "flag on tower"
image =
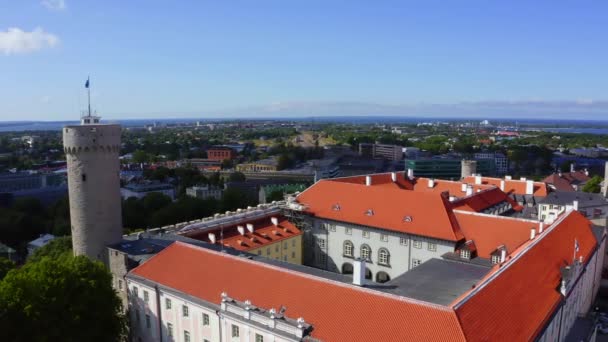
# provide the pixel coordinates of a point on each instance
(576, 246)
(86, 85)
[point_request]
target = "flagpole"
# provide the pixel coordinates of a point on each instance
(89, 94)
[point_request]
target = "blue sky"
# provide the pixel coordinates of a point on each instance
(280, 58)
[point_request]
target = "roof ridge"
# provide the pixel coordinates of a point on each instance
(317, 278)
(523, 249)
(519, 219)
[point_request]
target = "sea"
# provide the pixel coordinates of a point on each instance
(545, 125)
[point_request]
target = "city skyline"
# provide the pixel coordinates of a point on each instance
(158, 60)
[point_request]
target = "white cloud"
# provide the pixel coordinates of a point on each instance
(15, 40)
(54, 5)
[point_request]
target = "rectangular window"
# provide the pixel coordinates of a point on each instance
(276, 247)
(403, 241)
(293, 255)
(170, 329)
(293, 243)
(285, 245)
(135, 291)
(348, 231)
(186, 336)
(495, 259)
(259, 338)
(184, 310)
(321, 243)
(366, 234)
(205, 319)
(119, 284)
(167, 303)
(148, 321)
(284, 257)
(235, 330)
(332, 227)
(416, 262)
(268, 251)
(417, 244)
(322, 258)
(432, 247)
(384, 237)
(146, 296)
(465, 254)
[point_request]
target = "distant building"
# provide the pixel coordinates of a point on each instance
(271, 236)
(447, 168)
(205, 192)
(264, 165)
(501, 162)
(7, 252)
(46, 187)
(389, 152)
(42, 241)
(140, 190)
(567, 181)
(593, 206)
(220, 153)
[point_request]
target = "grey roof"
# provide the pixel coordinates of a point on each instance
(584, 199)
(436, 281)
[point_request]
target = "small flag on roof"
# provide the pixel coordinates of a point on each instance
(86, 85)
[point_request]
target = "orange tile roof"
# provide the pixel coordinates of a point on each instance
(338, 312)
(264, 233)
(516, 301)
(511, 186)
(489, 232)
(430, 213)
(484, 200)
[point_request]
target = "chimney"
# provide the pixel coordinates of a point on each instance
(477, 179)
(502, 185)
(541, 227)
(250, 227)
(469, 190)
(275, 221)
(532, 233)
(560, 174)
(410, 174)
(368, 180)
(241, 230)
(359, 272)
(503, 255)
(575, 204)
(572, 167)
(529, 187)
(212, 237)
(394, 177)
(507, 177)
(431, 183)
(586, 172)
(523, 179)
(463, 187)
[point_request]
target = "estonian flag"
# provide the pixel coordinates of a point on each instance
(86, 85)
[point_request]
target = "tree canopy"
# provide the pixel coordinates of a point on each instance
(55, 248)
(60, 299)
(593, 185)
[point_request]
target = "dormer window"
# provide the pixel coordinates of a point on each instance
(465, 254)
(407, 219)
(495, 259)
(369, 212)
(336, 207)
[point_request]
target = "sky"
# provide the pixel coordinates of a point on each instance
(208, 59)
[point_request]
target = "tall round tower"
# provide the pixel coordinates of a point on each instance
(92, 151)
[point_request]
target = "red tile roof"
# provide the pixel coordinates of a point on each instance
(515, 302)
(264, 233)
(484, 200)
(387, 207)
(514, 186)
(489, 232)
(565, 181)
(338, 312)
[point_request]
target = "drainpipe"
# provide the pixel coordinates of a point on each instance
(219, 317)
(159, 308)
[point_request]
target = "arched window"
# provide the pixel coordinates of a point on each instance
(347, 268)
(366, 253)
(348, 249)
(382, 277)
(384, 257)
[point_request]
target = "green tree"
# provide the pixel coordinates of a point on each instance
(63, 299)
(593, 185)
(140, 156)
(236, 177)
(56, 248)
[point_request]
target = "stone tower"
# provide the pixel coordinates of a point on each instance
(468, 168)
(92, 151)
